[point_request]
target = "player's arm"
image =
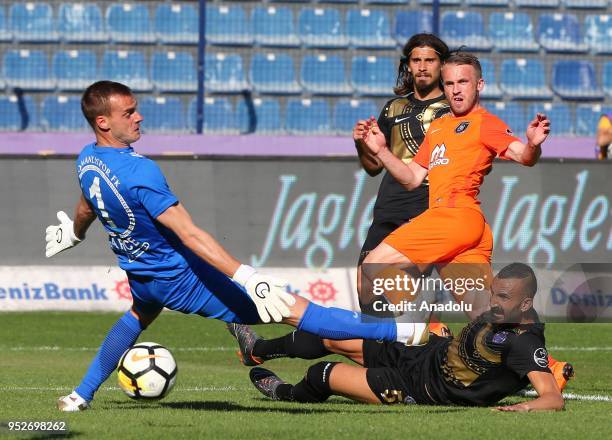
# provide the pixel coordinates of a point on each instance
(268, 293)
(69, 233)
(550, 398)
(369, 162)
(529, 153)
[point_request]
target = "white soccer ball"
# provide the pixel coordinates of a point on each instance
(147, 371)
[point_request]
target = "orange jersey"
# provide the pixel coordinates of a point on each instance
(459, 152)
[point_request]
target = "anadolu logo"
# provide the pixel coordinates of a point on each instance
(123, 290)
(322, 291)
(462, 127)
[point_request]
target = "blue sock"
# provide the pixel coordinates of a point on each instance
(334, 323)
(121, 337)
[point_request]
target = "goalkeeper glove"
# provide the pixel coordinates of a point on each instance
(60, 237)
(268, 293)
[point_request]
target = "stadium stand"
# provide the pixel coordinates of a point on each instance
(74, 69)
(220, 116)
(267, 120)
(174, 72)
(537, 3)
(228, 25)
(586, 4)
(491, 89)
(176, 24)
(560, 116)
(18, 113)
(324, 74)
(162, 114)
(81, 22)
(369, 28)
(128, 67)
(408, 23)
(598, 33)
(560, 33)
(607, 78)
(587, 116)
(308, 116)
(62, 113)
(524, 78)
(373, 76)
(27, 70)
(575, 79)
(512, 113)
(348, 111)
(224, 73)
(274, 73)
(512, 31)
(459, 28)
(33, 22)
(273, 26)
(5, 32)
(129, 23)
(322, 27)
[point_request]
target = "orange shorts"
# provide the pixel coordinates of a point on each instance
(444, 235)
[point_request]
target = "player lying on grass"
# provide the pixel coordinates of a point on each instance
(493, 357)
(169, 261)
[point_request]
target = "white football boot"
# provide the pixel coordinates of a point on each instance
(72, 403)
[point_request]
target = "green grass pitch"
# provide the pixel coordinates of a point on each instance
(43, 355)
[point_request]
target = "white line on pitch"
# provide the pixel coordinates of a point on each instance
(573, 396)
(560, 348)
(179, 389)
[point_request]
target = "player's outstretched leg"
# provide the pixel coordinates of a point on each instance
(266, 382)
(247, 338)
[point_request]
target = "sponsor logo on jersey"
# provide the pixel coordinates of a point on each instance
(462, 127)
(437, 156)
(500, 337)
(540, 357)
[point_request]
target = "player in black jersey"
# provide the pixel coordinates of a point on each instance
(493, 357)
(404, 120)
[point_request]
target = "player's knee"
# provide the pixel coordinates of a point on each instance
(317, 377)
(331, 345)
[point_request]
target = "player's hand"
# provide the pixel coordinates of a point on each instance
(60, 237)
(538, 129)
(373, 137)
(268, 293)
(519, 407)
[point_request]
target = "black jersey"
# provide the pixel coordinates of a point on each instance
(404, 122)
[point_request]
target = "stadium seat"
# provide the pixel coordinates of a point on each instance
(129, 23)
(17, 113)
(388, 2)
(33, 22)
(512, 31)
(27, 69)
(177, 24)
(322, 28)
(162, 114)
(219, 116)
(373, 76)
(348, 111)
(560, 33)
(324, 74)
(266, 116)
(522, 78)
(273, 26)
(513, 114)
(369, 28)
(128, 67)
(586, 4)
(308, 116)
(537, 3)
(607, 78)
(173, 72)
(442, 2)
(491, 89)
(575, 79)
(62, 113)
(488, 2)
(408, 23)
(74, 69)
(224, 73)
(598, 33)
(81, 22)
(273, 73)
(559, 114)
(5, 32)
(587, 117)
(228, 25)
(460, 28)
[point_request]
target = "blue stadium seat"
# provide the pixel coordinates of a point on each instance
(560, 33)
(488, 2)
(74, 69)
(128, 67)
(461, 28)
(586, 4)
(512, 31)
(129, 23)
(273, 26)
(62, 113)
(408, 23)
(177, 23)
(267, 116)
(575, 79)
(174, 72)
(388, 2)
(33, 22)
(373, 76)
(369, 28)
(5, 32)
(491, 89)
(348, 111)
(442, 2)
(559, 114)
(607, 78)
(228, 25)
(27, 69)
(522, 78)
(81, 22)
(322, 27)
(513, 114)
(224, 73)
(587, 117)
(162, 114)
(18, 113)
(537, 3)
(598, 33)
(324, 74)
(273, 73)
(308, 116)
(219, 116)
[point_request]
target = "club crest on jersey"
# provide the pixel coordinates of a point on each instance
(437, 156)
(462, 127)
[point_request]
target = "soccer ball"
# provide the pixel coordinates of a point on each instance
(146, 371)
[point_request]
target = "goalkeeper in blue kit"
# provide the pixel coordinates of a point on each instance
(169, 261)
